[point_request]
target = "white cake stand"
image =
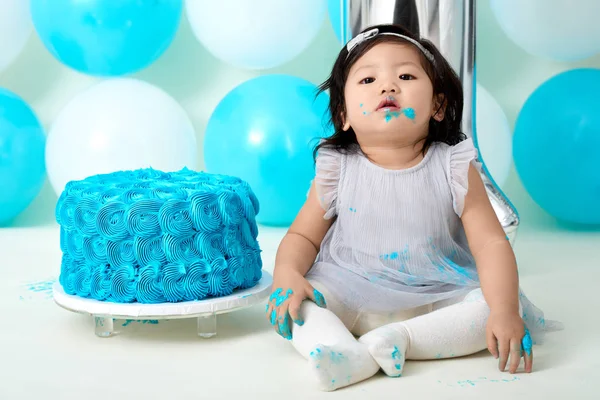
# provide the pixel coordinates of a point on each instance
(205, 311)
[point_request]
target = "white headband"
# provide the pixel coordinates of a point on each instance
(374, 32)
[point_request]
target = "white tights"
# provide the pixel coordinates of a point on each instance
(449, 328)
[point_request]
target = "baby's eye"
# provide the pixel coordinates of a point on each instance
(407, 77)
(367, 80)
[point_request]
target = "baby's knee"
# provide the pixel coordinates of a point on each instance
(475, 302)
(476, 296)
(333, 304)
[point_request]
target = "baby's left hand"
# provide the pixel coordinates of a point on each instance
(505, 332)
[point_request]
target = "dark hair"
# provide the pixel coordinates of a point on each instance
(444, 80)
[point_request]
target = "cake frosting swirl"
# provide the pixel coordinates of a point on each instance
(149, 236)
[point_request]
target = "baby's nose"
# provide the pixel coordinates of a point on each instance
(388, 85)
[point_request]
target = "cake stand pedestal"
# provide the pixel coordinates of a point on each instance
(206, 311)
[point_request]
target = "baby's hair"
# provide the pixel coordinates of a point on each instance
(444, 80)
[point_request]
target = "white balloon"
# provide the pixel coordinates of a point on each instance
(563, 30)
(15, 28)
(119, 124)
(494, 137)
(256, 34)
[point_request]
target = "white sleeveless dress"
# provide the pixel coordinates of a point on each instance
(398, 241)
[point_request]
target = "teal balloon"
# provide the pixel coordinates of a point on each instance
(106, 37)
(556, 146)
(337, 10)
(263, 132)
(22, 145)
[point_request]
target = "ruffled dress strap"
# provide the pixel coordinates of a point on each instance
(328, 170)
(462, 156)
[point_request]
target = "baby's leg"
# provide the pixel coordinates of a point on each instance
(452, 331)
(335, 356)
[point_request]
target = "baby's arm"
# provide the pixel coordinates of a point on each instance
(497, 269)
(299, 247)
(493, 254)
(295, 256)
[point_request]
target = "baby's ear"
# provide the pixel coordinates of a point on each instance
(345, 123)
(439, 107)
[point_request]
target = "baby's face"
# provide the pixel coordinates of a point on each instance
(388, 94)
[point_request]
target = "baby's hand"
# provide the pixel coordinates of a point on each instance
(290, 288)
(507, 335)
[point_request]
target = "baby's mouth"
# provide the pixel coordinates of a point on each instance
(389, 103)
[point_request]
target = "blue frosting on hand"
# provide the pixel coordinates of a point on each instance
(526, 342)
(319, 299)
(280, 298)
(283, 324)
(148, 236)
(284, 327)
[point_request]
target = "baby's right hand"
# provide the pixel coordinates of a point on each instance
(290, 288)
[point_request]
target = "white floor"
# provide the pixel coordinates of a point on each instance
(48, 352)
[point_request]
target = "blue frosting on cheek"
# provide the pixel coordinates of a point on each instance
(151, 237)
(409, 112)
(391, 114)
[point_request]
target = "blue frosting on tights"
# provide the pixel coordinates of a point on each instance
(148, 236)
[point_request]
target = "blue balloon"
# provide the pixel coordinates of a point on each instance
(106, 38)
(22, 144)
(337, 9)
(263, 132)
(556, 146)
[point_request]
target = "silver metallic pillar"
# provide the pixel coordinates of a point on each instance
(450, 25)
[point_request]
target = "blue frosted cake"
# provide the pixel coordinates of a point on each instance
(150, 237)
